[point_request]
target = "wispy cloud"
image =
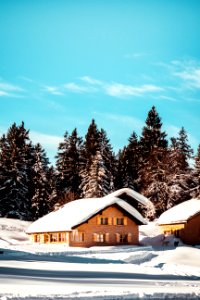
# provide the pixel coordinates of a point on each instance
(8, 89)
(186, 70)
(83, 85)
(27, 79)
(3, 93)
(49, 143)
(53, 90)
(46, 140)
(91, 80)
(77, 88)
(132, 122)
(136, 55)
(122, 90)
(191, 76)
(169, 98)
(112, 89)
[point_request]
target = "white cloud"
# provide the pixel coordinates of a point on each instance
(167, 98)
(133, 123)
(53, 90)
(115, 89)
(190, 76)
(188, 71)
(3, 93)
(76, 88)
(122, 90)
(47, 141)
(8, 89)
(91, 80)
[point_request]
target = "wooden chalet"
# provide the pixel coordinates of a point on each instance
(183, 220)
(109, 220)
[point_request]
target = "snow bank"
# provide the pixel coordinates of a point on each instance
(12, 232)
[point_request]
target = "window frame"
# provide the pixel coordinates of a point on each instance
(120, 221)
(103, 220)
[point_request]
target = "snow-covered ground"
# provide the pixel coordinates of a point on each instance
(151, 271)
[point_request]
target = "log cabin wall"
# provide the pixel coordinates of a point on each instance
(191, 234)
(110, 227)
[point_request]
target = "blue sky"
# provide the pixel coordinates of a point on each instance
(65, 62)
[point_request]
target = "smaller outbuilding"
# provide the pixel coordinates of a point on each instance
(183, 220)
(109, 220)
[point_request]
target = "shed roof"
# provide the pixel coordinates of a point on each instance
(180, 213)
(76, 212)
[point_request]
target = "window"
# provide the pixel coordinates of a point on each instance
(120, 221)
(53, 237)
(104, 221)
(122, 238)
(62, 237)
(101, 237)
(37, 238)
(77, 236)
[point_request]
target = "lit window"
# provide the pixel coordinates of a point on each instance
(53, 237)
(77, 236)
(62, 237)
(101, 237)
(37, 238)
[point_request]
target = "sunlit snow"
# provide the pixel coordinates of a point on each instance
(181, 265)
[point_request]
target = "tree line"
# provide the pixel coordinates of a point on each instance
(151, 164)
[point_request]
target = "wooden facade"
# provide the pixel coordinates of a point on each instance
(111, 226)
(188, 231)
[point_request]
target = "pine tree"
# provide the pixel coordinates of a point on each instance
(120, 170)
(69, 163)
(92, 142)
(53, 196)
(185, 151)
(179, 178)
(42, 192)
(132, 160)
(152, 135)
(128, 164)
(95, 178)
(153, 146)
(195, 192)
(15, 164)
(108, 160)
(97, 173)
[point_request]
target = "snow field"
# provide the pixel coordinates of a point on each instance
(152, 258)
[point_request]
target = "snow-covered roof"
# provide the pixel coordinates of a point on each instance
(131, 193)
(180, 213)
(79, 211)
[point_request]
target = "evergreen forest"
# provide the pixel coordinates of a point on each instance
(153, 164)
